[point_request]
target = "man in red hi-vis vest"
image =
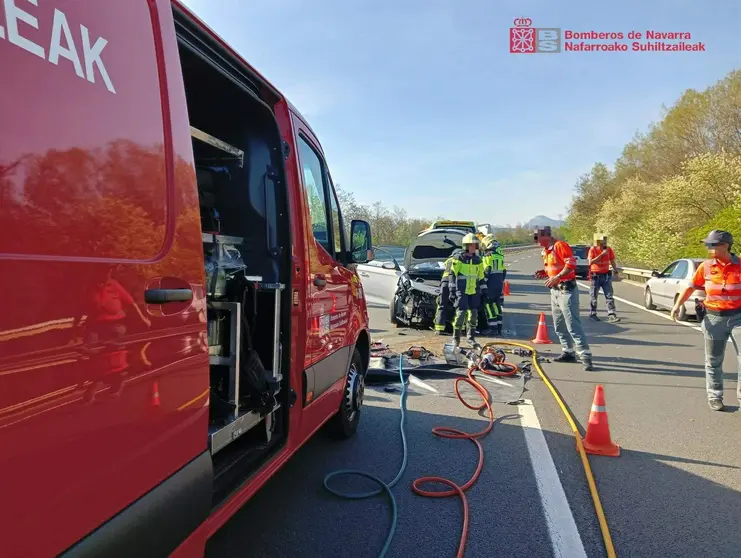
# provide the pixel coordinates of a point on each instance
(560, 269)
(600, 257)
(720, 278)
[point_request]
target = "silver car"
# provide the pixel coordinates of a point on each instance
(581, 251)
(663, 289)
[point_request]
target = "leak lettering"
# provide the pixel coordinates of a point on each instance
(67, 46)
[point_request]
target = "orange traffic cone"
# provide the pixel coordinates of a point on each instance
(155, 395)
(541, 334)
(598, 441)
(506, 288)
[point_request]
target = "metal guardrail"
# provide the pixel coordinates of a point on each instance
(635, 274)
(520, 248)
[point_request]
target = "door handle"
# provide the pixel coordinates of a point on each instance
(163, 296)
(320, 281)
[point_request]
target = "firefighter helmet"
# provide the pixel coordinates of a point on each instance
(488, 242)
(470, 238)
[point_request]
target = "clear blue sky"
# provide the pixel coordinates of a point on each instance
(418, 103)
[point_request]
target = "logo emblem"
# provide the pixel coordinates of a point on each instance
(525, 39)
(522, 36)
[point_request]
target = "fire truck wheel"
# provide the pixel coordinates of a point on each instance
(345, 422)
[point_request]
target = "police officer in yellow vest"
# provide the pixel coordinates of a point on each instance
(493, 259)
(444, 309)
(467, 285)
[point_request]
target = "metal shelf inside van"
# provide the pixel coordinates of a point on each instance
(220, 437)
(242, 421)
(238, 154)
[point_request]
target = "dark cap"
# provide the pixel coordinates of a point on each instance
(716, 237)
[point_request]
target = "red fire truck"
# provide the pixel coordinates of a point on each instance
(181, 308)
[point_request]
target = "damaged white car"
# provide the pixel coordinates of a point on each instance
(380, 276)
(415, 301)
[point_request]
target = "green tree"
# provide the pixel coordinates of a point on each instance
(671, 184)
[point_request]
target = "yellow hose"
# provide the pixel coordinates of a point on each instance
(606, 537)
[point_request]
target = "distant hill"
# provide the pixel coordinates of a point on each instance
(543, 221)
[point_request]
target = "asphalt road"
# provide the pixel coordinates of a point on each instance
(674, 491)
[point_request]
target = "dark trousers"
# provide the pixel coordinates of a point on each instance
(444, 311)
(493, 306)
(467, 311)
(602, 281)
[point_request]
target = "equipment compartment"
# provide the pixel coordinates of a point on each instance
(243, 202)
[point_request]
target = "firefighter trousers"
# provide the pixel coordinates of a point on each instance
(466, 311)
(493, 303)
(444, 309)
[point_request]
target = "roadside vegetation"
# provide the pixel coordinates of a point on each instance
(395, 227)
(671, 184)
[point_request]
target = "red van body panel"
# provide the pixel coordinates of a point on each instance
(102, 396)
(102, 203)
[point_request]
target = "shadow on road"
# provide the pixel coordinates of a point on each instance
(294, 516)
(642, 366)
(597, 337)
(654, 506)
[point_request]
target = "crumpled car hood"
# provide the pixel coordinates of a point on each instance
(429, 286)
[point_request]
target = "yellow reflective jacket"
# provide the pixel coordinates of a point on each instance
(467, 275)
(493, 262)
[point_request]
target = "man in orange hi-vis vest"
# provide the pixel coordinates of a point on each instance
(600, 257)
(560, 269)
(720, 278)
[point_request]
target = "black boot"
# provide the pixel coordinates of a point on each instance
(565, 357)
(586, 362)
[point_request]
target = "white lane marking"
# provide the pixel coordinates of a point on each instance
(654, 312)
(419, 383)
(493, 380)
(565, 539)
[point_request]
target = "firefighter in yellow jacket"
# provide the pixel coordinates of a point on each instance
(444, 310)
(467, 285)
(493, 259)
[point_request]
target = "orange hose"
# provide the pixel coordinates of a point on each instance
(452, 433)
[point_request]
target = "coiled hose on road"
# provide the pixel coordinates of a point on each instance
(384, 487)
(509, 369)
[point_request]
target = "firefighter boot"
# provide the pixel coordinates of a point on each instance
(456, 338)
(472, 338)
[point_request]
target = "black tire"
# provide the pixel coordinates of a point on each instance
(344, 424)
(392, 312)
(682, 314)
(648, 300)
(392, 318)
